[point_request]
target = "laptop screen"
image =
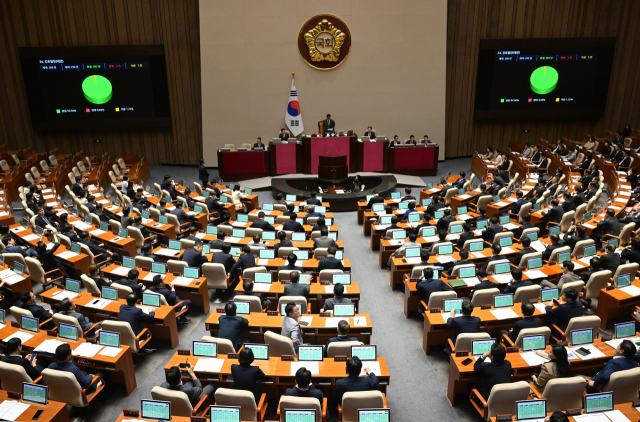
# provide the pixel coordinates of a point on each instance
(385, 220)
(1, 316)
(158, 267)
(502, 301)
(162, 219)
(365, 352)
(212, 230)
(334, 236)
(564, 256)
(455, 228)
(123, 233)
(291, 198)
(428, 231)
(344, 279)
(581, 337)
(243, 218)
(175, 245)
(533, 236)
(225, 414)
(438, 214)
(445, 250)
(450, 304)
(68, 332)
(467, 272)
(267, 207)
(302, 255)
(234, 251)
(462, 210)
(537, 206)
(238, 232)
(531, 409)
(534, 263)
(506, 241)
(75, 247)
(267, 253)
(190, 272)
(320, 209)
(72, 285)
(549, 294)
(104, 226)
(554, 230)
(109, 338)
(589, 250)
(502, 268)
(395, 195)
(374, 415)
(151, 299)
(535, 342)
(626, 329)
(270, 220)
(242, 308)
(305, 278)
(247, 191)
(29, 324)
(109, 293)
(403, 205)
(504, 219)
(480, 347)
(298, 237)
(614, 242)
(623, 280)
(598, 402)
(34, 393)
(476, 246)
(344, 310)
(412, 252)
(426, 201)
(414, 217)
(128, 262)
(400, 234)
(157, 410)
(260, 351)
(268, 235)
(377, 207)
(310, 354)
(300, 415)
(262, 277)
(482, 224)
(205, 349)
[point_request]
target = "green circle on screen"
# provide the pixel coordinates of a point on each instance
(544, 80)
(97, 89)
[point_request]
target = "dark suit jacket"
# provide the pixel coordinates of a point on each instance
(609, 225)
(426, 287)
(610, 261)
(83, 379)
(444, 222)
(511, 288)
(536, 156)
(32, 371)
(203, 174)
(245, 377)
(296, 289)
(134, 316)
(169, 296)
(517, 233)
(283, 136)
(490, 232)
(328, 124)
(464, 324)
(515, 208)
(314, 201)
(555, 214)
(286, 244)
(569, 205)
(37, 311)
(258, 146)
(565, 312)
(192, 388)
(631, 255)
(547, 252)
(264, 225)
(350, 383)
(464, 236)
(614, 365)
(525, 322)
(244, 261)
(484, 284)
(493, 374)
(579, 199)
(519, 255)
(330, 263)
(292, 225)
(310, 392)
(230, 328)
(195, 259)
(292, 268)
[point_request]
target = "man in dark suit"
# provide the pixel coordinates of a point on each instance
(497, 371)
(179, 213)
(611, 259)
(552, 185)
(516, 282)
(311, 212)
(609, 225)
(146, 252)
(169, 292)
(295, 288)
(555, 213)
(591, 191)
(292, 225)
(131, 281)
(330, 262)
(571, 308)
(555, 244)
(536, 154)
(245, 260)
(517, 233)
(526, 249)
(626, 161)
(328, 125)
(134, 315)
(575, 235)
(568, 204)
(203, 174)
(28, 302)
(14, 357)
(407, 195)
(428, 285)
(461, 180)
(624, 358)
(11, 247)
(313, 200)
(77, 187)
(100, 254)
(230, 325)
(527, 321)
(515, 208)
(369, 133)
(435, 205)
(343, 331)
(212, 203)
(261, 224)
(617, 155)
(193, 388)
(446, 220)
(632, 177)
(354, 382)
(247, 286)
(375, 200)
(42, 221)
(466, 234)
(495, 249)
(464, 260)
(591, 177)
(291, 266)
(224, 258)
(258, 144)
(579, 197)
(303, 387)
(493, 229)
(395, 142)
(464, 323)
(193, 256)
(499, 181)
(411, 141)
(544, 164)
(284, 136)
(632, 254)
(166, 182)
(64, 362)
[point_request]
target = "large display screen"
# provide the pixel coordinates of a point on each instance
(85, 88)
(543, 78)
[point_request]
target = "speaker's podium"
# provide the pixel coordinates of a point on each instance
(333, 168)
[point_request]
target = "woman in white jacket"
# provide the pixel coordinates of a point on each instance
(237, 196)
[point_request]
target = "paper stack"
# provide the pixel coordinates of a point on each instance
(48, 346)
(311, 366)
(209, 365)
(87, 350)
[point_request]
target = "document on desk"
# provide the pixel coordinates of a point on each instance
(533, 359)
(308, 320)
(478, 232)
(507, 313)
(478, 255)
(144, 309)
(591, 226)
(617, 416)
(533, 274)
(592, 417)
(31, 237)
(360, 321)
(447, 315)
(13, 279)
(97, 232)
(615, 342)
(464, 217)
(444, 259)
(265, 287)
(121, 271)
(506, 250)
(311, 366)
(181, 281)
(430, 239)
(232, 239)
(238, 224)
(396, 242)
(167, 252)
(18, 229)
(200, 235)
(471, 281)
(339, 191)
(63, 294)
(262, 261)
(510, 226)
(595, 352)
(374, 366)
(465, 196)
(48, 346)
(98, 303)
(87, 350)
(22, 335)
(209, 365)
(10, 410)
(502, 278)
(414, 260)
(199, 198)
(502, 204)
(434, 190)
(333, 322)
(538, 246)
(577, 266)
(630, 290)
(541, 307)
(453, 237)
(67, 255)
(81, 225)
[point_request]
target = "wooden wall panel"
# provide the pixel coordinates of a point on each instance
(468, 22)
(54, 23)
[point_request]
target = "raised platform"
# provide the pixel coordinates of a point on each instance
(303, 186)
(262, 183)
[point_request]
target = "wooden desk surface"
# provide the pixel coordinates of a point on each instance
(275, 321)
(627, 409)
(615, 303)
(53, 411)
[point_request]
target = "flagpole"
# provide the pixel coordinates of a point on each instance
(293, 76)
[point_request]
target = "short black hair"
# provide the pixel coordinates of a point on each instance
(292, 259)
(133, 274)
(230, 309)
(245, 356)
(570, 294)
(343, 327)
(464, 254)
(498, 353)
(427, 273)
(294, 277)
(354, 366)
(526, 241)
(65, 305)
(174, 375)
(568, 265)
(558, 416)
(303, 377)
(62, 352)
(628, 349)
(338, 289)
(13, 344)
(527, 308)
(289, 308)
(467, 307)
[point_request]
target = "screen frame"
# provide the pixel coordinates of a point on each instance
(46, 394)
(321, 348)
(228, 407)
(205, 342)
(586, 397)
(386, 410)
(154, 401)
(530, 402)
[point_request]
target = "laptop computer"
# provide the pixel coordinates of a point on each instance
(598, 402)
(300, 415)
(531, 409)
(623, 280)
(449, 304)
(310, 354)
(68, 332)
(547, 295)
(534, 263)
(506, 241)
(502, 268)
(128, 262)
(476, 246)
(224, 413)
(205, 349)
(109, 338)
(579, 337)
(480, 347)
(35, 393)
(262, 277)
(365, 352)
(344, 310)
(344, 279)
(29, 324)
(374, 415)
(467, 272)
(72, 285)
(158, 267)
(268, 235)
(189, 272)
(109, 293)
(260, 351)
(503, 301)
(534, 342)
(156, 410)
(151, 299)
(625, 329)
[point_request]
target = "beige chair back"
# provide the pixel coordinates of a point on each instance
(136, 234)
(583, 323)
(58, 319)
(144, 262)
(279, 345)
(564, 393)
(286, 251)
(231, 147)
(36, 272)
(327, 275)
(484, 201)
(64, 388)
(216, 275)
(255, 305)
(301, 301)
(526, 232)
(12, 376)
(354, 400)
(597, 281)
(578, 250)
(175, 266)
(292, 402)
(123, 290)
(10, 258)
(89, 284)
(484, 297)
(527, 293)
(250, 272)
(341, 348)
(575, 285)
(180, 405)
(525, 258)
(127, 336)
(578, 218)
(224, 346)
(554, 253)
(567, 220)
(436, 300)
(436, 248)
(503, 396)
(18, 313)
(320, 253)
(498, 236)
(624, 385)
(463, 341)
(533, 332)
(244, 399)
(626, 269)
(492, 264)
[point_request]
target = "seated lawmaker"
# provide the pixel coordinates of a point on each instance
(247, 286)
(64, 362)
(293, 225)
(527, 321)
(623, 359)
(516, 282)
(283, 136)
(563, 312)
(354, 382)
(13, 355)
(194, 256)
(28, 302)
(303, 387)
(314, 200)
(338, 292)
(295, 288)
(567, 276)
(557, 367)
(495, 249)
(330, 262)
(258, 145)
(394, 142)
(192, 388)
(230, 325)
(245, 375)
(462, 324)
(291, 264)
(497, 371)
(343, 331)
(428, 285)
(133, 315)
(158, 286)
